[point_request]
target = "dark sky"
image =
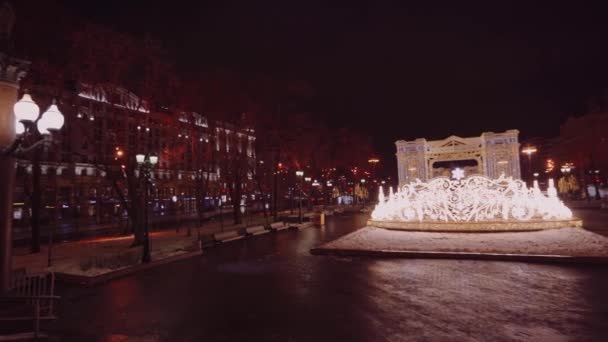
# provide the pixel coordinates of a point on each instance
(395, 71)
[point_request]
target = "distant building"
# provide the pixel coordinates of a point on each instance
(99, 124)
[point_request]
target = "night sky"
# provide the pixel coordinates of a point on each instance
(394, 71)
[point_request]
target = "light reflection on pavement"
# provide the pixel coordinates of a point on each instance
(271, 289)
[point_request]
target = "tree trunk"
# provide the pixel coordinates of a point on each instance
(275, 195)
(235, 197)
(137, 210)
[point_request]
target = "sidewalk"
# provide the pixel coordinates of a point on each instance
(586, 204)
(99, 256)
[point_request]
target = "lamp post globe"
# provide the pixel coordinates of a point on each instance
(51, 120)
(140, 158)
(153, 160)
(26, 109)
(19, 127)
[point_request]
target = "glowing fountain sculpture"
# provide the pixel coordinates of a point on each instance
(474, 203)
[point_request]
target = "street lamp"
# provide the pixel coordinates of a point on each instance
(30, 131)
(300, 174)
(566, 168)
(26, 119)
(146, 165)
(529, 150)
(26, 109)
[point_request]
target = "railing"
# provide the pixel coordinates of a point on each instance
(32, 298)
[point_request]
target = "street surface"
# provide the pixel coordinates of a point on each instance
(271, 289)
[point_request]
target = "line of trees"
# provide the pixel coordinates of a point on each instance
(289, 132)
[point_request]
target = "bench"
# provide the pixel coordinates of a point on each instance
(278, 226)
(256, 230)
(32, 298)
(227, 236)
(309, 215)
(302, 225)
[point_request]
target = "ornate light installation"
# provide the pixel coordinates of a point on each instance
(472, 199)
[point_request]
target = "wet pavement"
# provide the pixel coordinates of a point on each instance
(271, 289)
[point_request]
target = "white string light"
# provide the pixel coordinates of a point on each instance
(474, 198)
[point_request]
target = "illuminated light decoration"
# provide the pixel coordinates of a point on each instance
(458, 173)
(132, 101)
(472, 199)
(417, 159)
(549, 166)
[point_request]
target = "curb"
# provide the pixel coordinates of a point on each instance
(535, 258)
(88, 281)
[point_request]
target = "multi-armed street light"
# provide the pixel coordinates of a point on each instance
(26, 133)
(27, 118)
(300, 174)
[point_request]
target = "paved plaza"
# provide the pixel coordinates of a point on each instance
(272, 289)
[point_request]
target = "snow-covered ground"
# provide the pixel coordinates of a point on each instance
(564, 241)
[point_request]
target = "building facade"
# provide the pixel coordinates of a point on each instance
(103, 132)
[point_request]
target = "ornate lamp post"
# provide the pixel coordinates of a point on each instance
(363, 188)
(146, 164)
(300, 174)
(529, 151)
(28, 132)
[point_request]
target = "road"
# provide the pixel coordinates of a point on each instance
(271, 289)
